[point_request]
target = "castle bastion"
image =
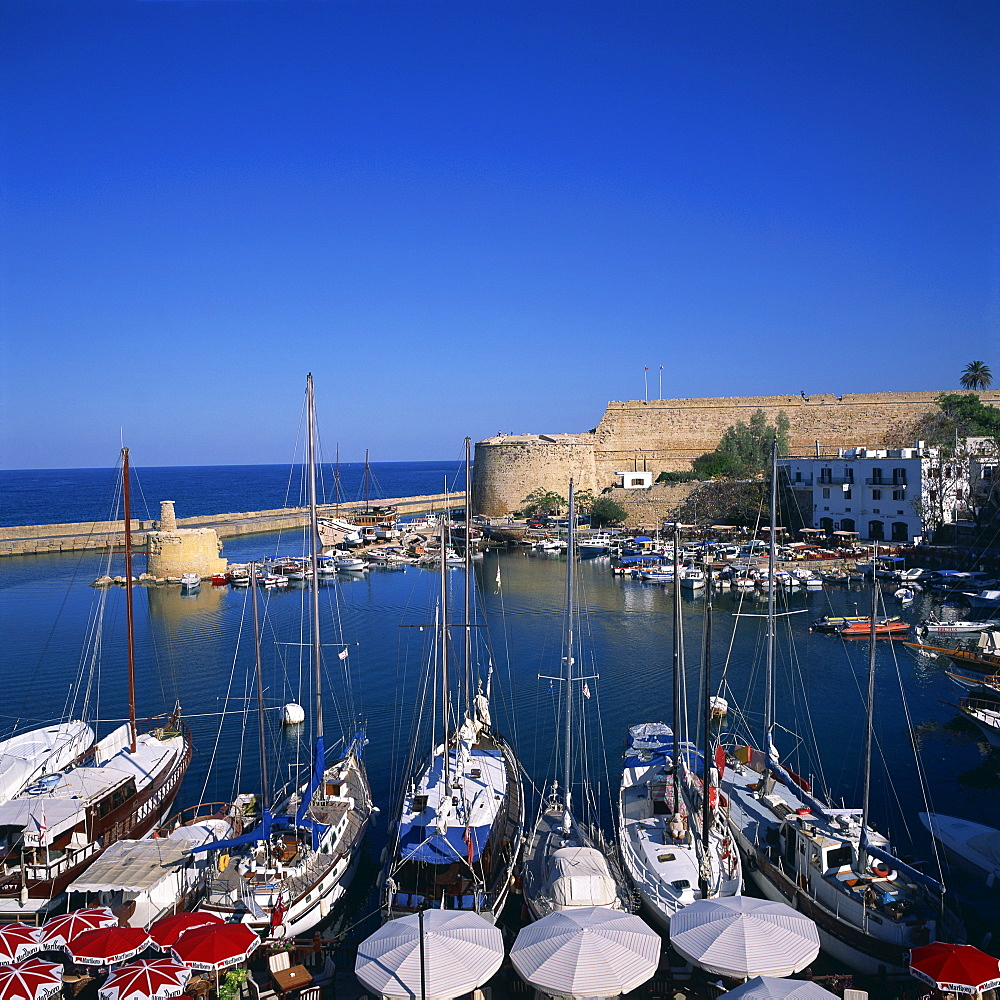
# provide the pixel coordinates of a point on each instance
(666, 434)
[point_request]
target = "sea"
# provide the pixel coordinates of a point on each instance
(63, 653)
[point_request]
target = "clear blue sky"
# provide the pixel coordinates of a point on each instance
(480, 215)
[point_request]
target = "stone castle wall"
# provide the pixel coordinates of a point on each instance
(665, 434)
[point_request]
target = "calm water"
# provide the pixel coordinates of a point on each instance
(199, 650)
(57, 496)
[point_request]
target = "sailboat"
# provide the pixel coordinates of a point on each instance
(870, 907)
(460, 820)
(567, 865)
(118, 788)
(284, 876)
(676, 847)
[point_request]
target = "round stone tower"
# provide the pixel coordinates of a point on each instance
(173, 551)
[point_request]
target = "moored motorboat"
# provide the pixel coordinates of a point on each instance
(954, 626)
(190, 581)
(974, 845)
(882, 628)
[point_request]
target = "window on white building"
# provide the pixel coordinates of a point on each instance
(826, 493)
(899, 494)
(876, 494)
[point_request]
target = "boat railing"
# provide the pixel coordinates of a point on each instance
(201, 812)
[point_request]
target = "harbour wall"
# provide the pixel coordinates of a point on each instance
(666, 434)
(43, 538)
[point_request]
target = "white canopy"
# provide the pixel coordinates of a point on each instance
(461, 951)
(740, 936)
(769, 988)
(587, 952)
(41, 819)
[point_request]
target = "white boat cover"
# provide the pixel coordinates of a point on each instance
(581, 878)
(26, 757)
(649, 735)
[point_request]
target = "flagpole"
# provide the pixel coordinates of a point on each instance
(661, 381)
(645, 380)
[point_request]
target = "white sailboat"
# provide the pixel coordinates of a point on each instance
(460, 820)
(675, 847)
(284, 876)
(870, 907)
(567, 865)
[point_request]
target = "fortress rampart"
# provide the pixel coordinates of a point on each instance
(665, 434)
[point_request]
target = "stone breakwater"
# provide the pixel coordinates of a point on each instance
(665, 434)
(43, 538)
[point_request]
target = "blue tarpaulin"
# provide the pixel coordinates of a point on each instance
(424, 843)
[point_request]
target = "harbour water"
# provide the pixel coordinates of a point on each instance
(198, 649)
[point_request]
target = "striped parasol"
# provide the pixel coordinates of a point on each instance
(154, 979)
(108, 945)
(165, 932)
(31, 980)
(769, 988)
(955, 968)
(741, 937)
(58, 931)
(18, 942)
(461, 951)
(214, 947)
(587, 951)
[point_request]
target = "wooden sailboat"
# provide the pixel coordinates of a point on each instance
(460, 820)
(567, 864)
(676, 847)
(870, 907)
(284, 876)
(118, 788)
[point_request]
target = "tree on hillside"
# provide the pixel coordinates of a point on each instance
(977, 375)
(542, 501)
(959, 415)
(604, 511)
(745, 448)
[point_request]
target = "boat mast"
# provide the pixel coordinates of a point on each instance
(367, 474)
(265, 798)
(130, 621)
(314, 585)
(765, 782)
(336, 480)
(468, 578)
(445, 758)
(678, 641)
(704, 868)
(570, 639)
(869, 722)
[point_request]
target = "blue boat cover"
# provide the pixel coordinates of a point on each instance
(424, 843)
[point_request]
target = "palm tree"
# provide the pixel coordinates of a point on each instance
(977, 375)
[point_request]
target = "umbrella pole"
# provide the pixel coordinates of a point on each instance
(420, 922)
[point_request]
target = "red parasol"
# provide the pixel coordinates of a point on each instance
(955, 968)
(31, 980)
(165, 932)
(155, 979)
(215, 946)
(59, 930)
(108, 945)
(18, 942)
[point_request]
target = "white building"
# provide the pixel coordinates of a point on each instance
(635, 480)
(894, 494)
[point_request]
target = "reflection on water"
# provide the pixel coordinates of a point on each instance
(200, 650)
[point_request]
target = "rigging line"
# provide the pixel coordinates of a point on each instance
(229, 686)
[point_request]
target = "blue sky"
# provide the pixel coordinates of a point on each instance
(482, 215)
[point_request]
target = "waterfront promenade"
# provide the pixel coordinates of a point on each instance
(41, 538)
